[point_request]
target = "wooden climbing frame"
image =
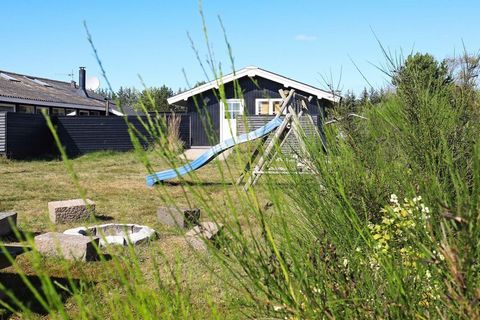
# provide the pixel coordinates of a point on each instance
(290, 125)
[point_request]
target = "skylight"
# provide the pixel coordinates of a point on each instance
(7, 77)
(41, 83)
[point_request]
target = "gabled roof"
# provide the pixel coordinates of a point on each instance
(20, 88)
(251, 72)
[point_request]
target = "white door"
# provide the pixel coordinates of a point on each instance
(229, 113)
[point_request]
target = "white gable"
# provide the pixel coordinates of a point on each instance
(254, 72)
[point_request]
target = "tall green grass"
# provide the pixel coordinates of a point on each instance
(386, 227)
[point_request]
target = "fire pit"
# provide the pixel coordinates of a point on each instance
(116, 233)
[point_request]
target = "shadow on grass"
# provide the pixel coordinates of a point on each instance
(104, 257)
(103, 217)
(22, 235)
(14, 283)
(13, 251)
(197, 183)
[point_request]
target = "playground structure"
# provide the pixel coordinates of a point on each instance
(278, 129)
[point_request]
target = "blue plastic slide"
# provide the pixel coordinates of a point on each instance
(210, 154)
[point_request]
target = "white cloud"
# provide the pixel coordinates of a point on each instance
(305, 37)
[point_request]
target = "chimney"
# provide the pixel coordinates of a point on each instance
(82, 78)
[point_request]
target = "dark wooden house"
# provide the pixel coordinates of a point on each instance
(251, 91)
(78, 113)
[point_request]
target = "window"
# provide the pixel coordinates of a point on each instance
(262, 106)
(83, 113)
(71, 112)
(7, 107)
(276, 106)
(94, 113)
(58, 111)
(43, 109)
(41, 82)
(25, 109)
(234, 108)
(268, 106)
(7, 77)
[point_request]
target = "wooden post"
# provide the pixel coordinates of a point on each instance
(317, 131)
(263, 159)
(292, 129)
(286, 100)
(254, 155)
(285, 139)
(290, 124)
(298, 130)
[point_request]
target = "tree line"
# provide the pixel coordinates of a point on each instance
(151, 99)
(420, 72)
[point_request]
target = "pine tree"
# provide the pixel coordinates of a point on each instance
(364, 98)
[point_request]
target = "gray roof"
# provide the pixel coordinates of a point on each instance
(42, 91)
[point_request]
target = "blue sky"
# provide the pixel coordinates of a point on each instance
(304, 40)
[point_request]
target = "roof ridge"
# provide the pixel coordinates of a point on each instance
(252, 67)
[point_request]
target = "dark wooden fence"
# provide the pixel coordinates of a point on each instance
(81, 135)
(3, 132)
(27, 135)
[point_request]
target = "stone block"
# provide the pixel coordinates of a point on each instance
(118, 240)
(68, 246)
(115, 233)
(181, 218)
(7, 221)
(199, 235)
(197, 243)
(141, 236)
(70, 210)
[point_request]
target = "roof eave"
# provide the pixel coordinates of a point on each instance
(49, 103)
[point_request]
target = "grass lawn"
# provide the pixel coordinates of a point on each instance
(116, 182)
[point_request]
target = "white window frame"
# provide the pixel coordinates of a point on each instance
(230, 122)
(270, 105)
(242, 107)
(9, 106)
